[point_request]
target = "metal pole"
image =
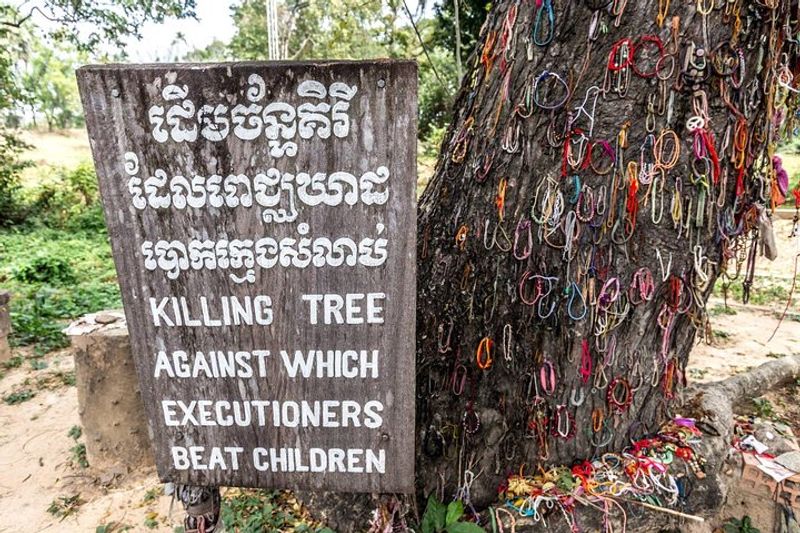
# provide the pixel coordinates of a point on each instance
(273, 42)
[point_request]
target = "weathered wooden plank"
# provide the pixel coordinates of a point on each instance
(231, 192)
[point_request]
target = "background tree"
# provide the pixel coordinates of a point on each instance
(334, 29)
(67, 20)
(471, 16)
(47, 79)
(10, 145)
(351, 29)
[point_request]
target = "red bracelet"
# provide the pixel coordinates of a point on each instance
(641, 43)
(613, 63)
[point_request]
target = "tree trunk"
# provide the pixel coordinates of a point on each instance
(533, 211)
(543, 200)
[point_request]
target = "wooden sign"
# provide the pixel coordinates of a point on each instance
(262, 220)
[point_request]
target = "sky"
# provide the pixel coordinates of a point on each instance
(214, 22)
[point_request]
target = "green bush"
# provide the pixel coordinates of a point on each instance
(33, 323)
(68, 201)
(54, 276)
(12, 206)
(89, 219)
(430, 145)
(45, 269)
(436, 92)
(38, 317)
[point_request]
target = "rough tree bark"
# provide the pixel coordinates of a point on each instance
(502, 169)
(504, 350)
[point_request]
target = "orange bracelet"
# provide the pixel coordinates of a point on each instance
(483, 355)
(461, 237)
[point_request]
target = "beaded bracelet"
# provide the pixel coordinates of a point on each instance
(470, 420)
(540, 81)
(563, 425)
(585, 208)
(621, 55)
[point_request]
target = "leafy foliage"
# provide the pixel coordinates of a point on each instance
(438, 83)
(764, 408)
(14, 362)
(68, 200)
(745, 525)
(111, 22)
(113, 527)
(78, 456)
(38, 364)
(48, 83)
(75, 432)
(44, 269)
(330, 29)
(350, 29)
(19, 396)
(11, 210)
(78, 452)
(471, 16)
(152, 494)
(151, 520)
(64, 506)
(440, 518)
(251, 511)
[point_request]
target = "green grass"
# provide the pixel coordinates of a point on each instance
(719, 310)
(54, 276)
(765, 291)
(19, 396)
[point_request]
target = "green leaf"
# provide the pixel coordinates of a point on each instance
(465, 527)
(434, 518)
(454, 511)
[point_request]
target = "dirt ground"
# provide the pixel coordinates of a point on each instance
(38, 466)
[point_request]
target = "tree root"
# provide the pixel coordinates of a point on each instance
(712, 404)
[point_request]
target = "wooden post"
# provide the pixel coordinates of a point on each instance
(5, 326)
(109, 402)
